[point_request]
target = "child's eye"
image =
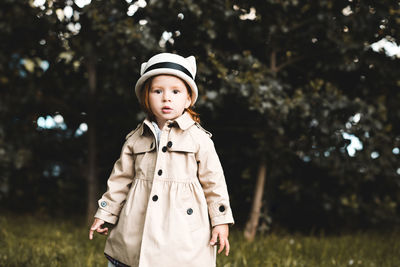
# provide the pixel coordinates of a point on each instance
(176, 91)
(156, 91)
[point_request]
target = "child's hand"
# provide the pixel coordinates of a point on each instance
(96, 226)
(221, 232)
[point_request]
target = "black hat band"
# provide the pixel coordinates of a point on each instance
(169, 65)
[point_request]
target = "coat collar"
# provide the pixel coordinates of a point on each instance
(183, 122)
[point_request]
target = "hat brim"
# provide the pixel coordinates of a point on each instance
(166, 71)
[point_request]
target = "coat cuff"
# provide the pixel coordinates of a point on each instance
(109, 206)
(106, 216)
(220, 213)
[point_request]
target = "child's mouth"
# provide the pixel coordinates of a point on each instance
(166, 110)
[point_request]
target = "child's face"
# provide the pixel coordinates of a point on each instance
(168, 98)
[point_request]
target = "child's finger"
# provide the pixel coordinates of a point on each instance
(227, 247)
(92, 229)
(222, 245)
(91, 234)
(213, 239)
(96, 225)
(102, 230)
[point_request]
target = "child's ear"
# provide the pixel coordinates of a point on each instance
(188, 102)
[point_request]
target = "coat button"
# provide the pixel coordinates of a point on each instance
(155, 198)
(164, 149)
(103, 204)
(169, 144)
(159, 172)
(222, 208)
(189, 211)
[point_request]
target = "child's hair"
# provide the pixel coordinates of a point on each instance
(145, 103)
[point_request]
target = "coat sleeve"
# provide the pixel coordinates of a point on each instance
(212, 179)
(118, 185)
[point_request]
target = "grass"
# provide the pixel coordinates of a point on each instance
(356, 249)
(33, 241)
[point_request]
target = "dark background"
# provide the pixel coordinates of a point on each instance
(281, 84)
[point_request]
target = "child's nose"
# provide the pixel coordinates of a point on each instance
(167, 96)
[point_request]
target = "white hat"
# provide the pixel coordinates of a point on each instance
(167, 63)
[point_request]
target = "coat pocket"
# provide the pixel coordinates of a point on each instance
(188, 209)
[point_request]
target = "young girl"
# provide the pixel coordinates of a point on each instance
(167, 189)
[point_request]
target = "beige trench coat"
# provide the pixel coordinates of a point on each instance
(163, 199)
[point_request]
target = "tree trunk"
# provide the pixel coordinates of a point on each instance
(252, 223)
(92, 188)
